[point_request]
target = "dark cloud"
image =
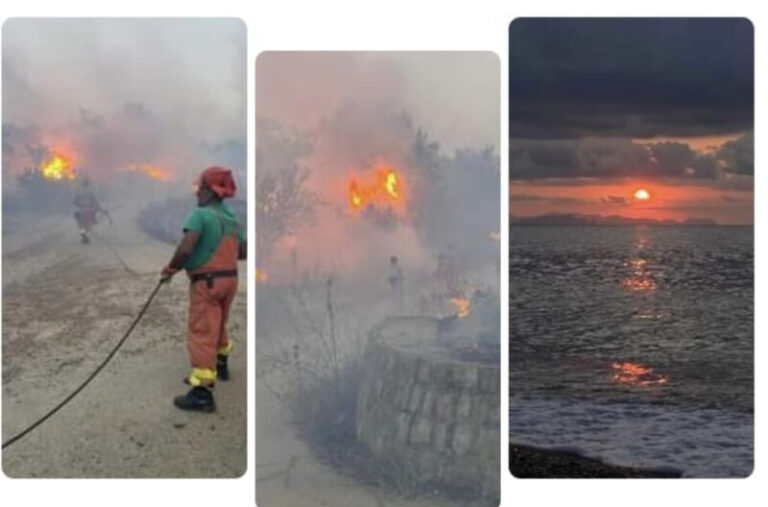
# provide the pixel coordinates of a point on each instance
(569, 158)
(544, 198)
(618, 158)
(739, 155)
(736, 182)
(638, 77)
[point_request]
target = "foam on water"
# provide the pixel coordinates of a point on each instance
(700, 442)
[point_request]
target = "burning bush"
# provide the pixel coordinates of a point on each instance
(380, 187)
(58, 167)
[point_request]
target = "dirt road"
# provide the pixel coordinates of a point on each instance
(65, 305)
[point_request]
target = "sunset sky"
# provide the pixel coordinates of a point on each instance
(603, 108)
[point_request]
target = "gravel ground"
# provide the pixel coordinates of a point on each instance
(65, 305)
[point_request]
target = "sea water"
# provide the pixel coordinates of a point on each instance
(634, 344)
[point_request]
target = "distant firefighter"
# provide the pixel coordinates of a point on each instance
(212, 244)
(86, 208)
(396, 282)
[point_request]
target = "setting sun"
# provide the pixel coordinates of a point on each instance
(642, 194)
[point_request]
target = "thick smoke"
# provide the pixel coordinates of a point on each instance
(333, 117)
(114, 95)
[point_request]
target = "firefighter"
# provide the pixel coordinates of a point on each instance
(86, 208)
(212, 244)
(396, 280)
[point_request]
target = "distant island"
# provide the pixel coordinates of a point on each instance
(579, 219)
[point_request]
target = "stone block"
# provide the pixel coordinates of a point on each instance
(445, 405)
(416, 397)
(434, 416)
(463, 437)
(428, 404)
(402, 434)
(464, 406)
(421, 431)
(489, 381)
(442, 434)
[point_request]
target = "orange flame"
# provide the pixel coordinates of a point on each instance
(463, 306)
(355, 199)
(636, 374)
(151, 171)
(382, 189)
(390, 184)
(58, 167)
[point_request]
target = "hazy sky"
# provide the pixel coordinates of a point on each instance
(453, 95)
(600, 108)
(183, 80)
(351, 119)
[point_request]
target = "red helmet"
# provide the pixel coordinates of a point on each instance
(220, 181)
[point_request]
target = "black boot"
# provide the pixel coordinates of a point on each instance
(198, 398)
(222, 370)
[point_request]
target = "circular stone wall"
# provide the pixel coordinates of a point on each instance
(432, 416)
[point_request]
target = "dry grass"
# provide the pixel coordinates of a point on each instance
(319, 374)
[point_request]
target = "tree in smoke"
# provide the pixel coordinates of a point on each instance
(283, 204)
(425, 154)
(282, 201)
(457, 197)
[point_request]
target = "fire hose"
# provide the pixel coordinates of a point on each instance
(95, 372)
(116, 254)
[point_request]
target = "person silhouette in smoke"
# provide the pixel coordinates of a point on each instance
(396, 283)
(213, 242)
(86, 208)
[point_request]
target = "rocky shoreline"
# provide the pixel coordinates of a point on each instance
(527, 462)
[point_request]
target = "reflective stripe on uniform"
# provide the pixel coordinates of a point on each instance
(202, 376)
(225, 350)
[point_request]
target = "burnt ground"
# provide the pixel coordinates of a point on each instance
(65, 305)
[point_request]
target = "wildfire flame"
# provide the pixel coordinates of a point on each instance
(391, 184)
(151, 171)
(463, 306)
(636, 374)
(355, 199)
(381, 188)
(58, 168)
